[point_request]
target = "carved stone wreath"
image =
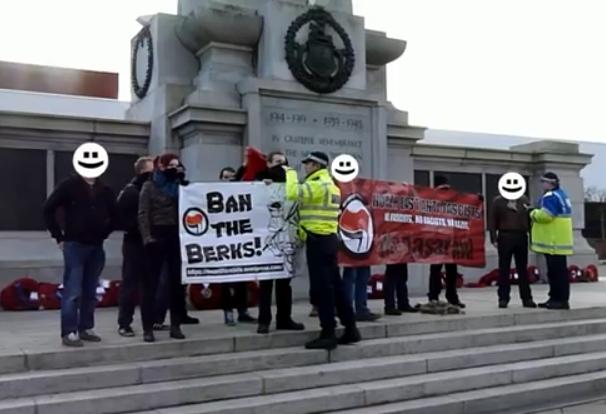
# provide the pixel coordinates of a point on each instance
(318, 64)
(143, 37)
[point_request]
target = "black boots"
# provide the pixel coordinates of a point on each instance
(329, 341)
(529, 304)
(350, 336)
(175, 332)
(325, 341)
(408, 309)
(149, 336)
(289, 325)
(190, 320)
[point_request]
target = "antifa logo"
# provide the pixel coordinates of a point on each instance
(195, 221)
(356, 226)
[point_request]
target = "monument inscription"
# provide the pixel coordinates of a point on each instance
(299, 128)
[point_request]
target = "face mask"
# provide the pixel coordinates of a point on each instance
(171, 174)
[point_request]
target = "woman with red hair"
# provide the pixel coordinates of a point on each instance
(159, 226)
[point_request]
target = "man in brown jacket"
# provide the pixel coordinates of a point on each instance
(509, 224)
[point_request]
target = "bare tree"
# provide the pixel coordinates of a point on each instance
(595, 194)
(590, 193)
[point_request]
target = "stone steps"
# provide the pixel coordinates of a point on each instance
(148, 372)
(136, 351)
(508, 399)
(402, 362)
(270, 391)
(490, 379)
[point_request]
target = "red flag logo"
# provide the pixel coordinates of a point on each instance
(356, 226)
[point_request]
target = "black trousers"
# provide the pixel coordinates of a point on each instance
(326, 285)
(236, 300)
(133, 273)
(557, 273)
(283, 301)
(435, 282)
(513, 244)
(395, 286)
(162, 297)
(166, 250)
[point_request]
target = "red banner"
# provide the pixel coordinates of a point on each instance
(388, 223)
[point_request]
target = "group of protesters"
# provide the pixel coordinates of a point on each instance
(82, 212)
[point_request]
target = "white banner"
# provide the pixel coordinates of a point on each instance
(232, 232)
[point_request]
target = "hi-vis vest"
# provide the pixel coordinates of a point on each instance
(552, 225)
(319, 202)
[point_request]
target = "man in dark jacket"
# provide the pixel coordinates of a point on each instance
(90, 216)
(133, 253)
(509, 224)
(275, 174)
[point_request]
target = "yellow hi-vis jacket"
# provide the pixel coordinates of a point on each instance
(319, 201)
(552, 225)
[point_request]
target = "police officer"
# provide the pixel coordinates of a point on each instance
(551, 235)
(319, 201)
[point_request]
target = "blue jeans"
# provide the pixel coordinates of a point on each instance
(355, 282)
(83, 266)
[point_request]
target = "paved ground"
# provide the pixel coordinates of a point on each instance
(39, 330)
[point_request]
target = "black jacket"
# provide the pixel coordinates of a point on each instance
(156, 209)
(276, 174)
(91, 212)
(239, 173)
(128, 205)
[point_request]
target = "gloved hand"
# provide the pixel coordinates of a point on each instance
(530, 211)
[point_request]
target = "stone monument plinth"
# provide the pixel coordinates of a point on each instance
(274, 74)
(283, 75)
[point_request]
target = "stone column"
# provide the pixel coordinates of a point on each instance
(211, 139)
(223, 37)
(172, 71)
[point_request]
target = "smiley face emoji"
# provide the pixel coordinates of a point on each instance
(90, 160)
(344, 168)
(512, 186)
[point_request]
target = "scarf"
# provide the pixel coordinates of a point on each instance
(170, 188)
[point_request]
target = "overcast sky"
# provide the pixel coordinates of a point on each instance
(519, 67)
